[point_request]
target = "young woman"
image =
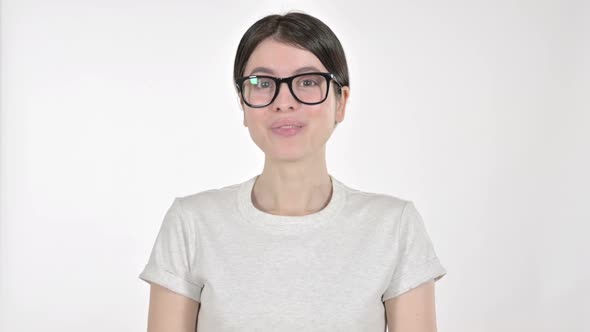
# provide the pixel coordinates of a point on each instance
(292, 248)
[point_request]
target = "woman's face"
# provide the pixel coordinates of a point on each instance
(281, 60)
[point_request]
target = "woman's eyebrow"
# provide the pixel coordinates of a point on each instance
(265, 70)
(305, 70)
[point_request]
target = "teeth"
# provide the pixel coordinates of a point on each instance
(289, 127)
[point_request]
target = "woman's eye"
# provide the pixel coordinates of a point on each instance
(264, 84)
(307, 83)
(260, 83)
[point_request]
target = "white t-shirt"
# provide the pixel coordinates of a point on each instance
(327, 271)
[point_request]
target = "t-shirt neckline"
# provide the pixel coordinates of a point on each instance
(277, 222)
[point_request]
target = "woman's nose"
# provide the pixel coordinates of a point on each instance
(285, 99)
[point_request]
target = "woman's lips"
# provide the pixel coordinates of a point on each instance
(287, 131)
(287, 122)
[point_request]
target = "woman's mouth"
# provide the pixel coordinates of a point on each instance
(287, 131)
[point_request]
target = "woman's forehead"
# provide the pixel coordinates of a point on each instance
(281, 59)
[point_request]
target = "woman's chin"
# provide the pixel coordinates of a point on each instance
(286, 155)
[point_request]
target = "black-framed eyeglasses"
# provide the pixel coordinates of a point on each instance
(307, 88)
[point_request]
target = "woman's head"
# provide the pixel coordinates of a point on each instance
(282, 46)
(296, 29)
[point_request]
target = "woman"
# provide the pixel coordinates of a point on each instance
(293, 248)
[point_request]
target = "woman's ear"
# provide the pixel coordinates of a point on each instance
(242, 108)
(341, 101)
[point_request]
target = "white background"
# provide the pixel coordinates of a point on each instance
(478, 111)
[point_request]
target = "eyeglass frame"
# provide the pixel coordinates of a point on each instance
(289, 80)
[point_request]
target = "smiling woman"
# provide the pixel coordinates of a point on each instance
(307, 101)
(292, 248)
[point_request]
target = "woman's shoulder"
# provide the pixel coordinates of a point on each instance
(209, 197)
(375, 199)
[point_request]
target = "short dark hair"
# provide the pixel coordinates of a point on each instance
(300, 30)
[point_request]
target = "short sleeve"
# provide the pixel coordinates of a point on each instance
(416, 260)
(169, 264)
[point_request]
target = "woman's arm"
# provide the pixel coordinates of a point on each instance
(171, 312)
(413, 311)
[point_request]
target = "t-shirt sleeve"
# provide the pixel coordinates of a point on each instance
(417, 261)
(173, 252)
